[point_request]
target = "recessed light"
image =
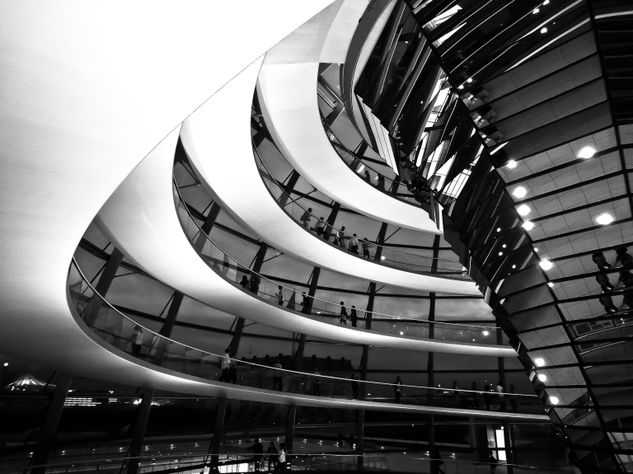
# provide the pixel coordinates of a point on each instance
(604, 219)
(469, 80)
(586, 152)
(519, 192)
(511, 164)
(544, 30)
(504, 246)
(542, 377)
(500, 254)
(535, 11)
(546, 264)
(460, 87)
(528, 225)
(524, 210)
(550, 284)
(485, 332)
(513, 267)
(539, 362)
(554, 400)
(498, 229)
(546, 2)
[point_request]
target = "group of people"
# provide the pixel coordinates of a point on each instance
(325, 230)
(273, 460)
(624, 261)
(344, 317)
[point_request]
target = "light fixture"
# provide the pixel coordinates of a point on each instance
(498, 229)
(544, 30)
(546, 2)
(586, 152)
(542, 377)
(554, 400)
(536, 249)
(528, 225)
(513, 267)
(546, 264)
(485, 332)
(550, 284)
(469, 80)
(6, 364)
(539, 362)
(604, 219)
(382, 257)
(519, 192)
(500, 254)
(503, 246)
(460, 87)
(524, 210)
(401, 333)
(535, 11)
(511, 164)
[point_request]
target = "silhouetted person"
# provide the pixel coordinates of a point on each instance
(367, 176)
(244, 282)
(320, 227)
(355, 386)
(342, 238)
(254, 283)
(365, 245)
(353, 316)
(280, 295)
(502, 401)
(271, 456)
(353, 244)
(278, 377)
(233, 372)
(225, 365)
(487, 395)
(600, 261)
(305, 303)
(436, 462)
(137, 340)
(343, 315)
(475, 395)
(492, 461)
(381, 182)
(397, 389)
(305, 218)
(316, 383)
(603, 281)
(607, 302)
(623, 258)
(258, 451)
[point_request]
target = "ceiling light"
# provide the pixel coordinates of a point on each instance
(539, 362)
(513, 267)
(498, 229)
(542, 377)
(546, 264)
(519, 192)
(554, 400)
(604, 219)
(536, 249)
(546, 2)
(6, 364)
(535, 11)
(586, 152)
(469, 80)
(500, 254)
(504, 246)
(485, 332)
(460, 87)
(511, 164)
(550, 284)
(544, 30)
(524, 210)
(528, 225)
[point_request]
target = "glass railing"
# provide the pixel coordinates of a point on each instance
(125, 334)
(393, 461)
(320, 309)
(357, 245)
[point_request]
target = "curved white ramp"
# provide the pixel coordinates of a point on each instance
(287, 88)
(217, 138)
(141, 218)
(84, 98)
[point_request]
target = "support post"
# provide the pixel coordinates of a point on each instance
(51, 422)
(140, 426)
(218, 432)
(103, 285)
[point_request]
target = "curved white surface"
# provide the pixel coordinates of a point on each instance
(157, 243)
(217, 138)
(287, 88)
(85, 96)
